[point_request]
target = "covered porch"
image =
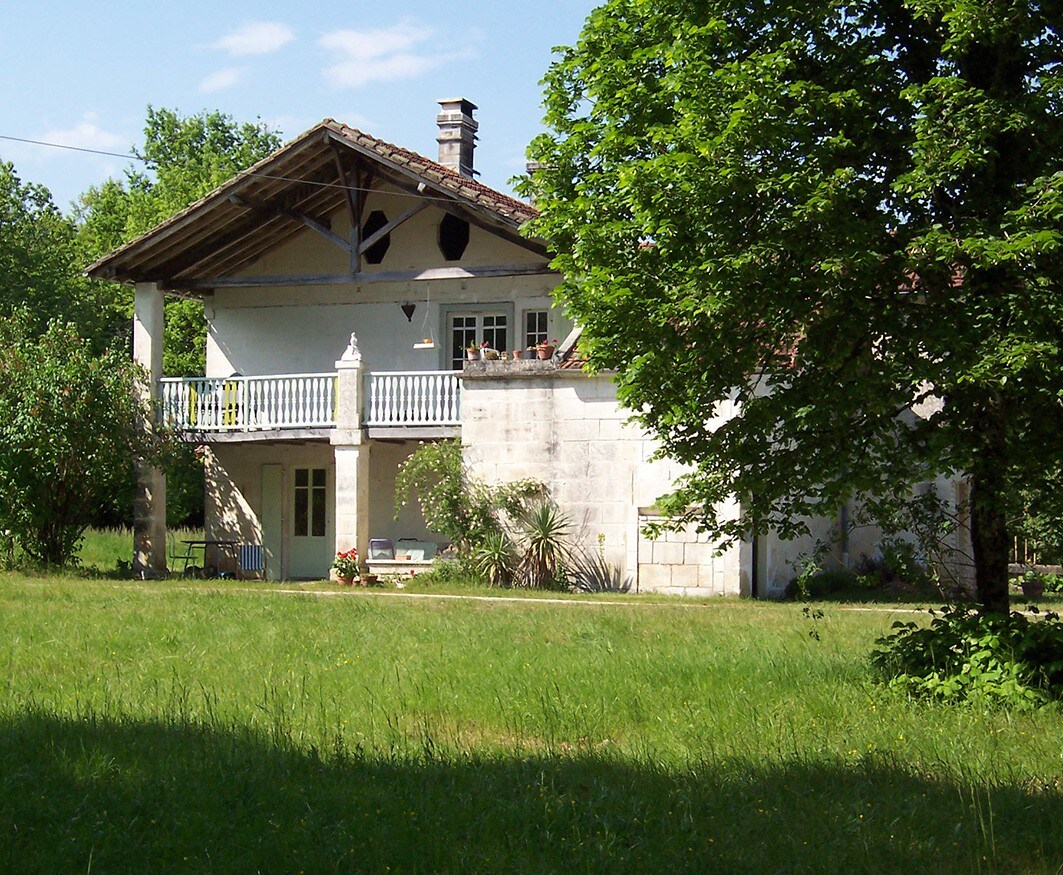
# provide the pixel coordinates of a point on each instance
(299, 500)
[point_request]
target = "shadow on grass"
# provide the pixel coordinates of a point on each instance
(130, 796)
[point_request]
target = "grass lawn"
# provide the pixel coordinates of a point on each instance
(199, 726)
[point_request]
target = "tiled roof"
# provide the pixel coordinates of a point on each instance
(433, 172)
(184, 247)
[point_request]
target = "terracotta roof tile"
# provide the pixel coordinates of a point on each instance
(432, 171)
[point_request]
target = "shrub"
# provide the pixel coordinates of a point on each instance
(454, 503)
(588, 571)
(495, 559)
(1006, 660)
(70, 431)
(541, 535)
(820, 584)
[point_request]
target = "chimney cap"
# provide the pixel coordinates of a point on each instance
(465, 105)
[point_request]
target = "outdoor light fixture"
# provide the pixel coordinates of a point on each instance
(428, 341)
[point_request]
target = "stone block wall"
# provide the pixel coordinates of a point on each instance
(565, 428)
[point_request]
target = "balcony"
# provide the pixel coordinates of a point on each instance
(396, 403)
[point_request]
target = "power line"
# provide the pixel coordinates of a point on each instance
(71, 148)
(270, 176)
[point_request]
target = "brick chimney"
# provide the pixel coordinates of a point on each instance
(457, 135)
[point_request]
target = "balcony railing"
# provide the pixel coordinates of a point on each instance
(393, 399)
(248, 403)
(413, 398)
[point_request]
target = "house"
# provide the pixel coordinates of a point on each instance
(342, 279)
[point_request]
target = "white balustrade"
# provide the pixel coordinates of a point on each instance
(393, 399)
(413, 398)
(248, 403)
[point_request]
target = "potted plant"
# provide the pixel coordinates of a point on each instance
(346, 565)
(1033, 585)
(472, 352)
(518, 355)
(546, 350)
(488, 354)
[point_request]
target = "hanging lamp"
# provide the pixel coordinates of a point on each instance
(428, 340)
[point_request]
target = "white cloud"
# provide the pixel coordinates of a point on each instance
(86, 134)
(378, 55)
(256, 38)
(221, 79)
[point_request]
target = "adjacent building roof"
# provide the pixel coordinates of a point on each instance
(321, 171)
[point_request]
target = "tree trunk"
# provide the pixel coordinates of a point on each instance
(989, 526)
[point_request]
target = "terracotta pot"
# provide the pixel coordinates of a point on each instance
(518, 355)
(545, 353)
(345, 581)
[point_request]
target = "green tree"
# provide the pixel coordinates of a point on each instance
(834, 214)
(40, 264)
(69, 434)
(184, 159)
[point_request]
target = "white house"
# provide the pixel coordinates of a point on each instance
(342, 279)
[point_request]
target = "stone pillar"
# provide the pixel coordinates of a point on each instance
(149, 502)
(351, 449)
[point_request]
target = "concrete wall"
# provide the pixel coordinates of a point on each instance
(566, 429)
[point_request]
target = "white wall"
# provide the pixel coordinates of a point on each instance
(304, 329)
(566, 429)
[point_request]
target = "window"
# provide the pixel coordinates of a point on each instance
(535, 328)
(310, 499)
(375, 253)
(453, 237)
(472, 329)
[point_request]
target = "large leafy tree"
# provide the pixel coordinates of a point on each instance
(40, 263)
(183, 159)
(69, 434)
(847, 216)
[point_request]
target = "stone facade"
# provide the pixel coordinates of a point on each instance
(565, 428)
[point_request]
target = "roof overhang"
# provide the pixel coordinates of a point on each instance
(328, 168)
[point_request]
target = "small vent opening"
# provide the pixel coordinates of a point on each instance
(453, 237)
(375, 253)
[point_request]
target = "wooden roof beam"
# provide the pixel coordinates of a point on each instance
(384, 276)
(315, 225)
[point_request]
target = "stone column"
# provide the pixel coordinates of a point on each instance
(351, 449)
(149, 502)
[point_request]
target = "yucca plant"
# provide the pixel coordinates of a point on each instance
(589, 571)
(543, 530)
(495, 559)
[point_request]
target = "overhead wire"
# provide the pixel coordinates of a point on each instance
(271, 176)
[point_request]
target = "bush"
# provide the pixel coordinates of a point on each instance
(820, 585)
(454, 503)
(70, 431)
(588, 571)
(1006, 660)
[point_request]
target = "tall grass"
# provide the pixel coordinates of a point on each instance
(109, 550)
(169, 726)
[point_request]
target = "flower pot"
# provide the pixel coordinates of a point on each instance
(345, 581)
(518, 355)
(545, 353)
(1033, 589)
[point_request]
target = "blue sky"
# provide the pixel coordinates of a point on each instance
(82, 73)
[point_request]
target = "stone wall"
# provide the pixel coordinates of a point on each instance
(565, 428)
